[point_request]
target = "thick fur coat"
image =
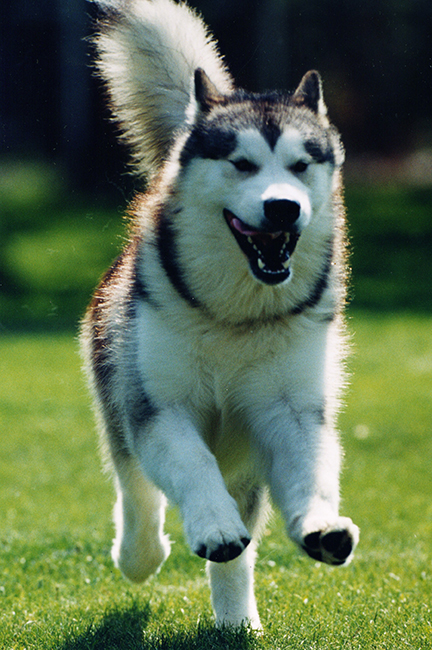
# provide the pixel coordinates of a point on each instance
(215, 343)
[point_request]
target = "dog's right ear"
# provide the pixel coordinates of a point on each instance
(206, 93)
(309, 93)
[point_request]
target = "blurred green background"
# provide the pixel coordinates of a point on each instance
(53, 248)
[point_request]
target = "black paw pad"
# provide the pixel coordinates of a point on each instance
(333, 547)
(339, 544)
(224, 552)
(312, 546)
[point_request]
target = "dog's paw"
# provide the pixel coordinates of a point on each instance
(333, 545)
(221, 541)
(223, 552)
(216, 532)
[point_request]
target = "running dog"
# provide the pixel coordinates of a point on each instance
(215, 343)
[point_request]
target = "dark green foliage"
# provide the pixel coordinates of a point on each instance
(391, 242)
(54, 246)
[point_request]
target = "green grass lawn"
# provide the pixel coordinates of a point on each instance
(59, 589)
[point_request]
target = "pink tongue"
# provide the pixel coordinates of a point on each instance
(241, 227)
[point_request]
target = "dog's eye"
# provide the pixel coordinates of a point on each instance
(244, 165)
(299, 167)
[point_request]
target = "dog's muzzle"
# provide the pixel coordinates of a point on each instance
(269, 249)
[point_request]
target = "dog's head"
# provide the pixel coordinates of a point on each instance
(268, 167)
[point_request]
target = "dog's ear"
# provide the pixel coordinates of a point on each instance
(206, 93)
(309, 93)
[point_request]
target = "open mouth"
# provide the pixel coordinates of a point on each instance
(268, 253)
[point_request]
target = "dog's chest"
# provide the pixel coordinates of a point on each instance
(208, 369)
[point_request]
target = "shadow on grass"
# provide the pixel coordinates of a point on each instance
(117, 629)
(126, 630)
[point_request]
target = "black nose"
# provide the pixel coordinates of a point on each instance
(281, 213)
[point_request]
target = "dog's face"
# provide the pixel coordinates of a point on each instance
(267, 201)
(264, 164)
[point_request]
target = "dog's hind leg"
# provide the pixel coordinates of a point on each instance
(232, 583)
(140, 546)
(232, 590)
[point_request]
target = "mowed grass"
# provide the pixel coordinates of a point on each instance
(59, 589)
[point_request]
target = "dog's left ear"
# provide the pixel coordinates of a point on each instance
(206, 93)
(309, 93)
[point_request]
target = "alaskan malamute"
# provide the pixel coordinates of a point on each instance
(215, 342)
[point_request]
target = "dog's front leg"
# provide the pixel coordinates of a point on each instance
(303, 462)
(176, 459)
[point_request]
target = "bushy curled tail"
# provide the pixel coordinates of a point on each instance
(147, 52)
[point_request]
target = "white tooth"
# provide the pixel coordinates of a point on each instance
(287, 237)
(261, 264)
(286, 264)
(250, 240)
